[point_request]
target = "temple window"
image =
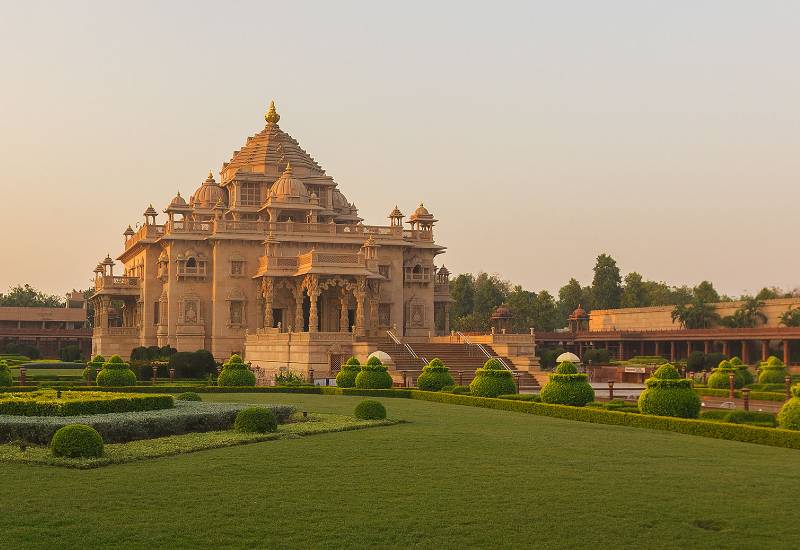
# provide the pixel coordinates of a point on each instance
(250, 195)
(236, 311)
(192, 267)
(237, 268)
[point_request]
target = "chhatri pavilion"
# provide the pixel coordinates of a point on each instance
(272, 261)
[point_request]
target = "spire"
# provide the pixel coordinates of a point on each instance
(272, 116)
(288, 169)
(210, 175)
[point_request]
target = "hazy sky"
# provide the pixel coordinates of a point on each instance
(540, 133)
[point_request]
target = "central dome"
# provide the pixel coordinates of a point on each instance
(208, 194)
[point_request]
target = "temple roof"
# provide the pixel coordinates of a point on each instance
(269, 151)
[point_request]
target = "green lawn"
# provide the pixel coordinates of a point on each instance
(454, 477)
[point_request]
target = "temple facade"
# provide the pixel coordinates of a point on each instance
(271, 261)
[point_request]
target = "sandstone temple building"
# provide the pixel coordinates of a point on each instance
(271, 260)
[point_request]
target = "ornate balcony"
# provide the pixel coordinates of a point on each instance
(113, 284)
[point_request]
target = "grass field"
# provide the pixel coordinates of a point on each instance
(454, 477)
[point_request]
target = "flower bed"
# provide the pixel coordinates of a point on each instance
(68, 403)
(185, 417)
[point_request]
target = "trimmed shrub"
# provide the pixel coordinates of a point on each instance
(719, 377)
(70, 353)
(789, 415)
(188, 396)
(521, 397)
(235, 372)
(460, 390)
(197, 364)
(713, 359)
(116, 372)
(94, 367)
(346, 377)
(547, 357)
(153, 353)
(370, 409)
(256, 420)
(696, 361)
(77, 441)
(567, 387)
(139, 354)
(373, 375)
(435, 376)
(492, 380)
(772, 372)
(5, 374)
(48, 403)
(597, 356)
(667, 394)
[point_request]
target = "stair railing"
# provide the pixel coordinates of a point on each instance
(408, 347)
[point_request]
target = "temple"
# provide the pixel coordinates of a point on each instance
(272, 261)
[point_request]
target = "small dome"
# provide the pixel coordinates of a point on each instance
(108, 260)
(208, 194)
(288, 187)
(502, 312)
(150, 211)
(384, 358)
(421, 213)
(178, 201)
(568, 357)
(396, 213)
(579, 313)
(129, 232)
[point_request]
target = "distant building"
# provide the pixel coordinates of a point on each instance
(48, 328)
(650, 331)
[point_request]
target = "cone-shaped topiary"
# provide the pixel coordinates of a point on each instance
(789, 415)
(94, 366)
(5, 374)
(668, 394)
(76, 441)
(435, 376)
(236, 373)
(772, 372)
(373, 375)
(256, 420)
(492, 380)
(719, 376)
(116, 372)
(346, 378)
(567, 387)
(744, 371)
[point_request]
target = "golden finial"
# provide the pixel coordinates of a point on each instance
(288, 169)
(210, 175)
(272, 116)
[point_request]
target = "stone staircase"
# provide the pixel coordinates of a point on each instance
(462, 360)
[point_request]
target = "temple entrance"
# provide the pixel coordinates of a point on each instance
(277, 317)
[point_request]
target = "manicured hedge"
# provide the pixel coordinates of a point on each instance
(369, 409)
(568, 387)
(46, 403)
(256, 420)
(346, 377)
(492, 380)
(5, 374)
(669, 395)
(754, 395)
(185, 417)
(373, 375)
(236, 373)
(435, 376)
(77, 441)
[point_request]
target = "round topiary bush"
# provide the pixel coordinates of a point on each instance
(719, 376)
(5, 374)
(236, 373)
(789, 415)
(373, 375)
(256, 420)
(94, 367)
(567, 387)
(667, 394)
(346, 377)
(188, 396)
(116, 372)
(772, 372)
(370, 409)
(77, 441)
(492, 380)
(435, 376)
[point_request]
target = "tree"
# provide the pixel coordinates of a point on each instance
(606, 288)
(27, 296)
(696, 314)
(634, 293)
(570, 296)
(748, 315)
(791, 317)
(705, 292)
(462, 290)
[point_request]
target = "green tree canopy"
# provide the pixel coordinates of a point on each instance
(27, 296)
(606, 287)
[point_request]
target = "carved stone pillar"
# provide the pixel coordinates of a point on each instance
(312, 285)
(268, 293)
(361, 294)
(343, 317)
(447, 318)
(298, 308)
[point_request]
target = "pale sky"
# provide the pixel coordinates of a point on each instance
(541, 134)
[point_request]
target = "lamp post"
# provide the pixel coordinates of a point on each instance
(746, 397)
(788, 381)
(610, 390)
(731, 381)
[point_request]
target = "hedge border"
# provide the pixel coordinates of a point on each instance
(754, 395)
(774, 437)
